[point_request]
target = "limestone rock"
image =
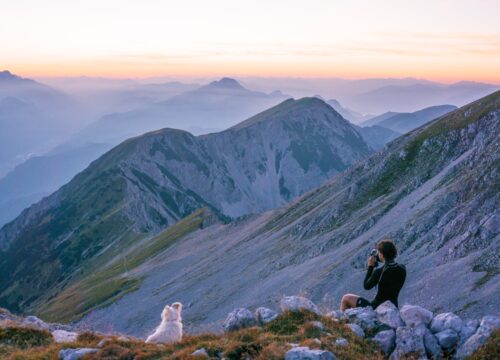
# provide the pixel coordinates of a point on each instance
(297, 303)
(201, 353)
(447, 338)
(317, 324)
(468, 329)
(63, 336)
(33, 321)
(337, 314)
(386, 340)
(414, 315)
(75, 354)
(409, 339)
(445, 321)
(264, 315)
(355, 328)
(304, 353)
(238, 319)
(486, 327)
(432, 347)
(364, 317)
(387, 313)
(341, 342)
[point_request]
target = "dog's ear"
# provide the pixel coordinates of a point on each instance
(165, 312)
(177, 306)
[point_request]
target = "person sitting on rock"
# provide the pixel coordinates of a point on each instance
(389, 278)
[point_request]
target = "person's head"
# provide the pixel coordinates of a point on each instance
(386, 250)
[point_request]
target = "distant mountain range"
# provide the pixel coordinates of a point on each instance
(39, 176)
(32, 119)
(409, 98)
(404, 122)
(218, 105)
(149, 183)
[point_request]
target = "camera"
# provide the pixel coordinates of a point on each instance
(374, 253)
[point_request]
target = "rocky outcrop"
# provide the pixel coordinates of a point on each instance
(486, 327)
(238, 319)
(264, 315)
(296, 303)
(75, 354)
(304, 353)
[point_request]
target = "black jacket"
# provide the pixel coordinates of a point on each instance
(389, 278)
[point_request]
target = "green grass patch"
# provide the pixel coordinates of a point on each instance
(113, 281)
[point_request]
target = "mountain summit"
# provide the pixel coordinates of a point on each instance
(226, 83)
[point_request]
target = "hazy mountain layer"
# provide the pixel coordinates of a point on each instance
(39, 176)
(148, 183)
(219, 105)
(404, 122)
(33, 118)
(409, 98)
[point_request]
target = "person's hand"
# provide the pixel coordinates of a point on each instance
(371, 261)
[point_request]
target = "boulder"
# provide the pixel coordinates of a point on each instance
(445, 321)
(432, 347)
(447, 339)
(355, 328)
(337, 315)
(341, 342)
(468, 329)
(75, 354)
(414, 315)
(316, 324)
(386, 340)
(34, 322)
(486, 327)
(297, 303)
(63, 336)
(387, 313)
(304, 353)
(364, 317)
(264, 315)
(409, 339)
(238, 319)
(201, 353)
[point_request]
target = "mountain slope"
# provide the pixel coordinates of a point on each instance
(348, 114)
(149, 183)
(434, 191)
(39, 176)
(404, 122)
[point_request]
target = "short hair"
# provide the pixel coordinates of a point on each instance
(387, 248)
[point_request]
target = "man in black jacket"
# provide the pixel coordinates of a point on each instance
(389, 278)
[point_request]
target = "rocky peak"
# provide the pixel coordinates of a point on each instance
(227, 84)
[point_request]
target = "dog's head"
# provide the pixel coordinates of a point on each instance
(172, 313)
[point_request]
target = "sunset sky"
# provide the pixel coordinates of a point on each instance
(444, 40)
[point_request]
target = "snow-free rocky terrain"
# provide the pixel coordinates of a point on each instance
(433, 190)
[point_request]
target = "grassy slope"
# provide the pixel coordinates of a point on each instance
(268, 342)
(109, 282)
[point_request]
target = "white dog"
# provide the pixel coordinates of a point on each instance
(170, 329)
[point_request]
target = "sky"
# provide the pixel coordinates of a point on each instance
(442, 40)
